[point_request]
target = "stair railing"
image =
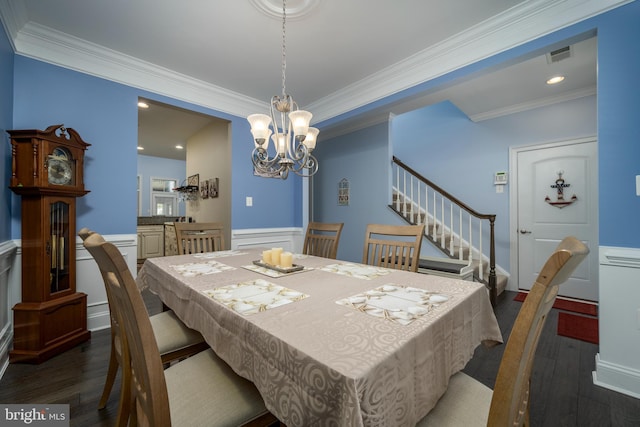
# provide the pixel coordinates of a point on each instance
(456, 229)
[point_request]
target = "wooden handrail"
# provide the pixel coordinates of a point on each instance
(492, 279)
(442, 191)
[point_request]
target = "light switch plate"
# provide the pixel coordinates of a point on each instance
(637, 185)
(249, 201)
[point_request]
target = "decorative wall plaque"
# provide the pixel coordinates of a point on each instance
(343, 192)
(560, 185)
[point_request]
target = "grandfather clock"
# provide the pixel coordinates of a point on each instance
(47, 168)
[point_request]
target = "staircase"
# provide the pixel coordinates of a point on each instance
(462, 234)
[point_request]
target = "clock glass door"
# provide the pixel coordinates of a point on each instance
(59, 247)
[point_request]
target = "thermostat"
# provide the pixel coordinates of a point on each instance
(500, 178)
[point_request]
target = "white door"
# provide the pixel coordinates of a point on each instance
(557, 197)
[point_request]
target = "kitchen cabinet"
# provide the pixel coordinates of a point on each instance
(150, 241)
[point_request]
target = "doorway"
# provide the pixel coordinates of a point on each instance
(555, 194)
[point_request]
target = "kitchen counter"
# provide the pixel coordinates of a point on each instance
(156, 220)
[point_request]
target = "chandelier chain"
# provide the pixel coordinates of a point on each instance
(291, 138)
(284, 46)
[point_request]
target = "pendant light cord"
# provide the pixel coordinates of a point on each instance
(284, 51)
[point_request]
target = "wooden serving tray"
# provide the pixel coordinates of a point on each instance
(292, 269)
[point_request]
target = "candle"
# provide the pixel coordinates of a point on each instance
(266, 256)
(275, 255)
(286, 259)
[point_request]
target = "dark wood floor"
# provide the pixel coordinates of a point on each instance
(563, 393)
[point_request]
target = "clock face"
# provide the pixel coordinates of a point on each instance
(60, 167)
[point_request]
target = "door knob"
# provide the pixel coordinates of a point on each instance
(524, 231)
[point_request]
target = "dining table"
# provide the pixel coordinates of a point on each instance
(329, 342)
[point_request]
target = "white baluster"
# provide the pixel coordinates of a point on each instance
(398, 188)
(481, 258)
(435, 217)
(460, 237)
(450, 228)
(442, 221)
(404, 194)
(470, 239)
(412, 210)
(419, 221)
(426, 206)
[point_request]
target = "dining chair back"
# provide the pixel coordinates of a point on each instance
(175, 341)
(322, 239)
(393, 246)
(115, 356)
(200, 390)
(470, 403)
(199, 237)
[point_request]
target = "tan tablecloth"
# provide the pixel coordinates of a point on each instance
(317, 362)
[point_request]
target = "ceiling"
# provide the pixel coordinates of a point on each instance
(339, 54)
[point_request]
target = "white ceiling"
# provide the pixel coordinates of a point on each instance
(340, 54)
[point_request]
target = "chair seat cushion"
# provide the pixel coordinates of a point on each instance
(204, 390)
(171, 334)
(465, 403)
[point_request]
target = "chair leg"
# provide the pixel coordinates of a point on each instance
(111, 377)
(124, 406)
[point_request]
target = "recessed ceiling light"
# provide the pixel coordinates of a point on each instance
(179, 147)
(142, 104)
(555, 80)
(140, 148)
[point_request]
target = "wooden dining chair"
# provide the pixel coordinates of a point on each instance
(322, 239)
(393, 246)
(198, 237)
(175, 341)
(468, 402)
(197, 391)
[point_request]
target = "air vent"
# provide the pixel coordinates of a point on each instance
(559, 54)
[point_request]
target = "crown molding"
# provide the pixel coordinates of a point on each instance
(54, 47)
(516, 26)
(13, 15)
(543, 102)
(520, 24)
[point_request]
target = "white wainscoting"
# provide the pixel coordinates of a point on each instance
(7, 256)
(289, 239)
(89, 280)
(618, 360)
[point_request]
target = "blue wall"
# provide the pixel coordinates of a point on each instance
(105, 115)
(462, 156)
(619, 125)
(6, 116)
(276, 203)
(157, 167)
(448, 132)
(359, 157)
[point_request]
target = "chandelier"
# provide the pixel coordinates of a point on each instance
(293, 139)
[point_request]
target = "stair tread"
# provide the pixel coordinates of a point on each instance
(444, 265)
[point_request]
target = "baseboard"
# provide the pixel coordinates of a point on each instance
(98, 317)
(617, 378)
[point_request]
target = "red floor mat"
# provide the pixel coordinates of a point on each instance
(567, 305)
(578, 327)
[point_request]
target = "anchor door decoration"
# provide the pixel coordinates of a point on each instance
(560, 186)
